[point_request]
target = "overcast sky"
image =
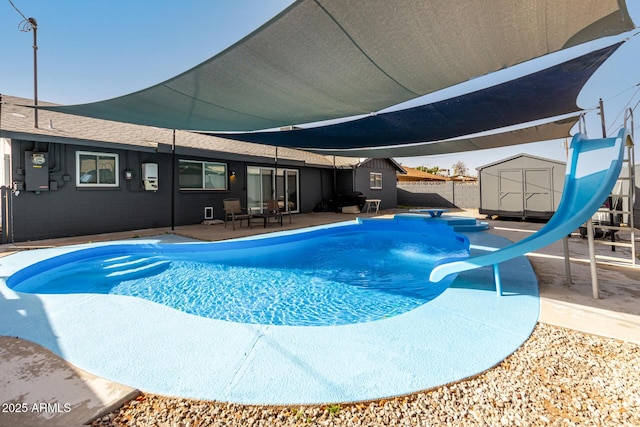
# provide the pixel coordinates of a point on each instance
(91, 50)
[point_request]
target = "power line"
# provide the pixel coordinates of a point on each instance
(18, 10)
(27, 24)
(614, 121)
(622, 92)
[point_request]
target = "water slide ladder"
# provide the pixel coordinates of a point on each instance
(622, 206)
(593, 168)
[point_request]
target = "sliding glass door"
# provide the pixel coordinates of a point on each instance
(287, 189)
(267, 183)
(260, 187)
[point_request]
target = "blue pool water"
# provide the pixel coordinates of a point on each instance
(358, 272)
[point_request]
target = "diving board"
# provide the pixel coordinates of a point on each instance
(592, 170)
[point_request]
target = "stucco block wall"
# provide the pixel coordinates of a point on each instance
(446, 194)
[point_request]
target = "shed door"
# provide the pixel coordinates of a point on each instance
(537, 190)
(510, 185)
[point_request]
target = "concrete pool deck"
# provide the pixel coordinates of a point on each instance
(615, 315)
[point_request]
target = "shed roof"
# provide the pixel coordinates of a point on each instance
(517, 156)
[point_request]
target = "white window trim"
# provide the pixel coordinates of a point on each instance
(204, 162)
(97, 185)
(371, 174)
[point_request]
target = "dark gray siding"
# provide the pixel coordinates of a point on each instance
(315, 186)
(72, 211)
(388, 194)
(344, 181)
(190, 204)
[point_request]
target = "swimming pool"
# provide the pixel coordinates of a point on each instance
(353, 272)
(149, 346)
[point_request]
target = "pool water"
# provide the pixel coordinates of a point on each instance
(360, 272)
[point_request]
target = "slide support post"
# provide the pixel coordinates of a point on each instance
(567, 262)
(496, 279)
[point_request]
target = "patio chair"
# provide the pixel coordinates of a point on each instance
(272, 211)
(285, 209)
(234, 211)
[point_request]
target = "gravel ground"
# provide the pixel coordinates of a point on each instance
(558, 377)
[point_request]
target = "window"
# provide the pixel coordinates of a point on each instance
(375, 181)
(197, 175)
(96, 169)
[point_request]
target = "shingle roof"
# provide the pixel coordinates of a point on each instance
(17, 121)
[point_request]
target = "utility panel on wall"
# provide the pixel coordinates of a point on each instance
(36, 171)
(150, 176)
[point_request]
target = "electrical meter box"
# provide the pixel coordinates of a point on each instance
(150, 176)
(36, 171)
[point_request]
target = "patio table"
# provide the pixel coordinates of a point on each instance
(373, 203)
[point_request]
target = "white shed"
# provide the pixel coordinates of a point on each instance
(522, 186)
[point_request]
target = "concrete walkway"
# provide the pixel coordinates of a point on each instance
(616, 314)
(37, 388)
(27, 369)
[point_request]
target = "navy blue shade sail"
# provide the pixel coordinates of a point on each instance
(545, 94)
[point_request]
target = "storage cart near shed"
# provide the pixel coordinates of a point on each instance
(522, 186)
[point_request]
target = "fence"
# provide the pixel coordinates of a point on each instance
(447, 194)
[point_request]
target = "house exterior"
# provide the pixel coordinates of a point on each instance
(463, 178)
(375, 178)
(76, 176)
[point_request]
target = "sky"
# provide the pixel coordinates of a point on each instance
(94, 50)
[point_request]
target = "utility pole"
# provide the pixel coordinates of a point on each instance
(602, 121)
(29, 24)
(173, 181)
(34, 27)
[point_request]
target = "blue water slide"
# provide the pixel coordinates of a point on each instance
(592, 170)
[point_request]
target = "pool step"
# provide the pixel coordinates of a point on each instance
(458, 220)
(462, 224)
(129, 267)
(478, 226)
(459, 223)
(127, 261)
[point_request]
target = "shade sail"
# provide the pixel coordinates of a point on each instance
(326, 59)
(547, 93)
(553, 129)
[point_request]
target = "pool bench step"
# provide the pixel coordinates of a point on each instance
(135, 267)
(459, 223)
(479, 226)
